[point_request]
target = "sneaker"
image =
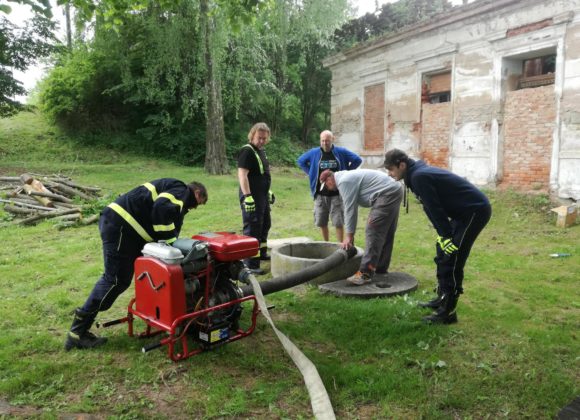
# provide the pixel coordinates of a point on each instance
(360, 278)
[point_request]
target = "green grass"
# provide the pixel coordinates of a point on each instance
(514, 353)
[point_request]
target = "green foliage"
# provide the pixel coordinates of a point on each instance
(73, 94)
(140, 83)
(389, 18)
(20, 47)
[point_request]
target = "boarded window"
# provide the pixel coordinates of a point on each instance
(538, 71)
(436, 88)
(374, 117)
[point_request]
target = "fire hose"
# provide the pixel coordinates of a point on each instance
(319, 399)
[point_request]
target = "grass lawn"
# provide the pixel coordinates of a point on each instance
(515, 352)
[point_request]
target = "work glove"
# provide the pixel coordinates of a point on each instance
(446, 245)
(271, 197)
(248, 203)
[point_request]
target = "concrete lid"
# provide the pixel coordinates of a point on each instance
(382, 285)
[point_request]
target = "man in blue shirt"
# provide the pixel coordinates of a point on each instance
(327, 203)
(458, 211)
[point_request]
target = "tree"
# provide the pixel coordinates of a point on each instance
(388, 18)
(236, 12)
(21, 47)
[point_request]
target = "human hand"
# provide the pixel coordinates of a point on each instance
(446, 245)
(249, 204)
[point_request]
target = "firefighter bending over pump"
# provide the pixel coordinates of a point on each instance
(151, 212)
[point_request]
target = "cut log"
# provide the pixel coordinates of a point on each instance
(69, 191)
(77, 186)
(19, 210)
(91, 219)
(43, 200)
(69, 217)
(45, 216)
(55, 197)
(26, 205)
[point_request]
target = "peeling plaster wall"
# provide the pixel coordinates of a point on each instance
(568, 174)
(473, 43)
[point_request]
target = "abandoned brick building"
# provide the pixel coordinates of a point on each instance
(490, 90)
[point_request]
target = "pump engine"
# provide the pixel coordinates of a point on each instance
(190, 292)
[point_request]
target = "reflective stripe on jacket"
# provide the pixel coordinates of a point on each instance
(155, 210)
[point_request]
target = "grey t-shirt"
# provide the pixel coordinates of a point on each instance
(360, 188)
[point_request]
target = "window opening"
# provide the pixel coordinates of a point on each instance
(436, 88)
(538, 71)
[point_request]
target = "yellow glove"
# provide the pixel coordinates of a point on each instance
(248, 203)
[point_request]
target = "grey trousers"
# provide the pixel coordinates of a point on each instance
(380, 232)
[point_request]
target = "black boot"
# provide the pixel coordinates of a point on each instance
(253, 264)
(264, 254)
(435, 302)
(446, 313)
(79, 335)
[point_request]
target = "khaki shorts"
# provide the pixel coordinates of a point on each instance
(325, 207)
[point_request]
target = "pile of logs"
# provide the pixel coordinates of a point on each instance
(32, 199)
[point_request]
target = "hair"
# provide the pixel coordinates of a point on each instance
(258, 127)
(325, 175)
(198, 186)
(394, 157)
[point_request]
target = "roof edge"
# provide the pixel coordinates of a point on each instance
(455, 15)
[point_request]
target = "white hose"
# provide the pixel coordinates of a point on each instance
(321, 406)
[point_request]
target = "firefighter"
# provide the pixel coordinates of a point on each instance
(254, 192)
(327, 204)
(377, 191)
(151, 212)
(458, 211)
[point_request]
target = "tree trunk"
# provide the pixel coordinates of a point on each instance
(216, 162)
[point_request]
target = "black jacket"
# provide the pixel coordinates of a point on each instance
(157, 207)
(443, 194)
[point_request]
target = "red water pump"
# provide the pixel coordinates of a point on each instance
(190, 292)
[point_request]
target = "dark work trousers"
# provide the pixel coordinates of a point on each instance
(465, 232)
(380, 232)
(121, 247)
(257, 225)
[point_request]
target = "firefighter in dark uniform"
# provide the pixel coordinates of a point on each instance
(151, 212)
(255, 194)
(458, 211)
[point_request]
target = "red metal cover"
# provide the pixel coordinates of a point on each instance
(159, 291)
(227, 246)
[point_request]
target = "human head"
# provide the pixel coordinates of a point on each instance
(396, 162)
(327, 180)
(326, 140)
(199, 191)
(259, 135)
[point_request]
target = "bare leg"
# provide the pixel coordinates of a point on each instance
(339, 234)
(324, 230)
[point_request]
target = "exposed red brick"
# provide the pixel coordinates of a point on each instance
(374, 117)
(528, 127)
(529, 27)
(435, 128)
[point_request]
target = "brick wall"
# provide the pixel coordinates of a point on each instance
(374, 117)
(436, 125)
(529, 121)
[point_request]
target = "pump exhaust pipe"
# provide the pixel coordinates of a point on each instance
(294, 279)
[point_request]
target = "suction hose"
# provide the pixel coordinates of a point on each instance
(294, 279)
